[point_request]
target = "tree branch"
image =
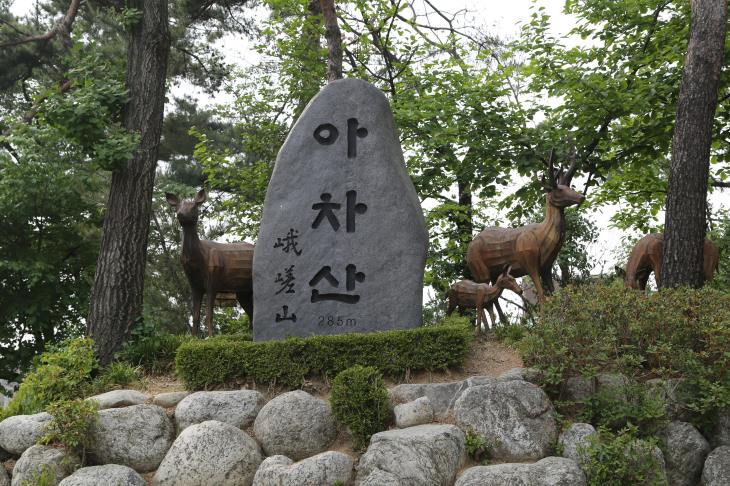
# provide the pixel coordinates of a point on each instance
(61, 29)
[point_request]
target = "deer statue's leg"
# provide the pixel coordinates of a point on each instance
(246, 301)
(452, 304)
(210, 302)
(547, 280)
(491, 314)
(538, 285)
(197, 299)
(480, 317)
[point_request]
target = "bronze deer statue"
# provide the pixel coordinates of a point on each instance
(212, 267)
(532, 249)
(466, 294)
(646, 257)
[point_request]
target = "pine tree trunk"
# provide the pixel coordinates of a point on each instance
(685, 221)
(334, 41)
(116, 299)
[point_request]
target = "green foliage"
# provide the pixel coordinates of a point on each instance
(476, 447)
(45, 476)
(71, 425)
(152, 348)
(629, 405)
(360, 401)
(223, 359)
(588, 329)
(620, 459)
(115, 376)
(61, 374)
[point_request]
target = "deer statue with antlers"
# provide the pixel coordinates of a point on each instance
(466, 294)
(212, 268)
(532, 249)
(646, 257)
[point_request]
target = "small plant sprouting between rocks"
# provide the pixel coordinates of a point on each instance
(476, 447)
(360, 401)
(45, 476)
(71, 425)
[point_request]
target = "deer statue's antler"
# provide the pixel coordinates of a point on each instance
(565, 176)
(552, 180)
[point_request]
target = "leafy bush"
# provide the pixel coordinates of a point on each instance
(360, 401)
(117, 375)
(152, 348)
(225, 359)
(71, 425)
(671, 333)
(476, 447)
(62, 373)
(631, 405)
(621, 459)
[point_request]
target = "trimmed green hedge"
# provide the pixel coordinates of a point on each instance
(218, 361)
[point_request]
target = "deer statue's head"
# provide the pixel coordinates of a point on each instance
(187, 210)
(557, 184)
(507, 281)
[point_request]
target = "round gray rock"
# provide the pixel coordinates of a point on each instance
(111, 474)
(425, 454)
(575, 440)
(210, 453)
(551, 471)
(442, 396)
(42, 460)
(119, 398)
(170, 399)
(685, 453)
(417, 412)
(717, 468)
(137, 436)
(20, 432)
(295, 425)
(238, 408)
(325, 468)
(533, 375)
(515, 418)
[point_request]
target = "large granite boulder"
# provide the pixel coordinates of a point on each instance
(684, 454)
(533, 375)
(323, 469)
(575, 440)
(338, 192)
(137, 436)
(119, 398)
(417, 412)
(20, 432)
(46, 462)
(295, 425)
(442, 396)
(211, 452)
(426, 454)
(716, 471)
(169, 399)
(577, 389)
(551, 471)
(516, 418)
(238, 408)
(109, 474)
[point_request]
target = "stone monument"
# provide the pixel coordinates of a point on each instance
(342, 244)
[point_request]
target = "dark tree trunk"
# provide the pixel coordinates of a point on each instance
(116, 299)
(334, 41)
(685, 221)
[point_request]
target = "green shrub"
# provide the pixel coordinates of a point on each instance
(223, 359)
(117, 375)
(671, 333)
(360, 401)
(71, 425)
(621, 459)
(631, 405)
(61, 374)
(152, 348)
(476, 447)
